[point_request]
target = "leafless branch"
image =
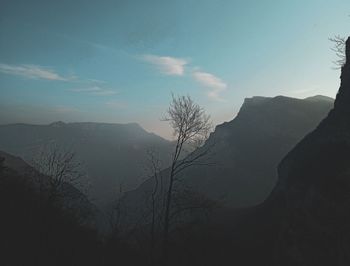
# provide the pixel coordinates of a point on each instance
(339, 49)
(57, 168)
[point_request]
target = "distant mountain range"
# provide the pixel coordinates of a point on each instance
(245, 155)
(112, 154)
(247, 149)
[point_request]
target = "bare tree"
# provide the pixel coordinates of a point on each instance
(191, 126)
(57, 168)
(339, 49)
(2, 166)
(59, 177)
(118, 214)
(190, 204)
(155, 172)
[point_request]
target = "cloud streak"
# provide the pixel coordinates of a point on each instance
(32, 72)
(95, 90)
(167, 65)
(209, 80)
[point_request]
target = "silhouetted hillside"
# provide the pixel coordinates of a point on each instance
(35, 230)
(305, 220)
(312, 194)
(71, 198)
(112, 154)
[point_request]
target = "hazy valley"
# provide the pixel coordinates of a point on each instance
(174, 133)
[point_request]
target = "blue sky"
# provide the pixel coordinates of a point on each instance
(119, 61)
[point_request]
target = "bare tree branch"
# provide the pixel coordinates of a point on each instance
(339, 49)
(57, 167)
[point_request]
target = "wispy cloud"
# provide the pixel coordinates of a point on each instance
(92, 89)
(32, 72)
(167, 65)
(177, 67)
(209, 80)
(95, 90)
(105, 92)
(96, 81)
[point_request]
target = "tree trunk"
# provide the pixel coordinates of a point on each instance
(166, 219)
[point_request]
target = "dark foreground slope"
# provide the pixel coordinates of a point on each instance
(33, 231)
(313, 190)
(69, 196)
(37, 231)
(306, 219)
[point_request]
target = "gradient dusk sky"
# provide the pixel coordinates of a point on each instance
(119, 61)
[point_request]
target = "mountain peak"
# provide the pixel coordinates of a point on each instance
(255, 100)
(319, 98)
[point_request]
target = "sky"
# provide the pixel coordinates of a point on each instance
(119, 61)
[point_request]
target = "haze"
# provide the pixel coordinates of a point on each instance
(119, 61)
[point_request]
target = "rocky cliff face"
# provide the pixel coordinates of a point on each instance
(246, 152)
(312, 196)
(248, 149)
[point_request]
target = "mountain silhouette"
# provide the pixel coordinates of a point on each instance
(112, 154)
(246, 151)
(42, 231)
(305, 220)
(312, 193)
(71, 198)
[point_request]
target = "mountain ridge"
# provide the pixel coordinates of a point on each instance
(113, 154)
(263, 123)
(305, 220)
